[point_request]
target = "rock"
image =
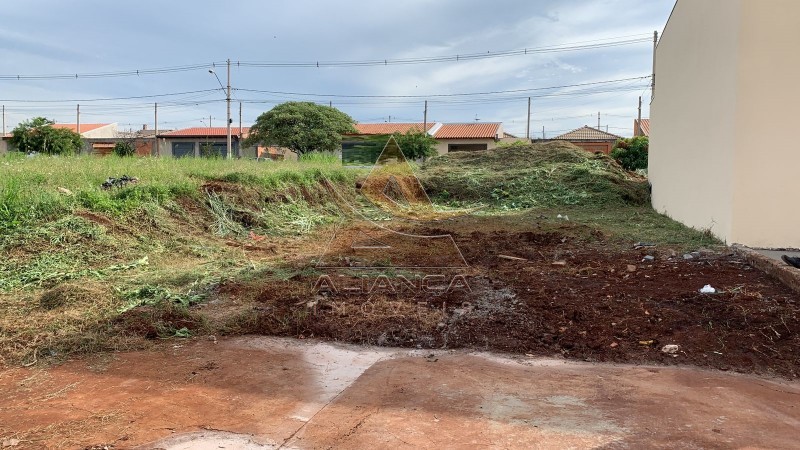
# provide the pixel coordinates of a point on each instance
(631, 268)
(10, 443)
(696, 254)
(639, 245)
(559, 263)
(649, 258)
(671, 349)
(688, 256)
(65, 191)
(614, 345)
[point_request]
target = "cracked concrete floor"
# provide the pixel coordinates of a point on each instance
(267, 393)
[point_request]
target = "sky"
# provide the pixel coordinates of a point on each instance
(610, 45)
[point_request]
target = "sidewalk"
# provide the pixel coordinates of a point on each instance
(257, 392)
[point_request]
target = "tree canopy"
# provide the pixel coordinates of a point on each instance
(39, 135)
(416, 145)
(301, 127)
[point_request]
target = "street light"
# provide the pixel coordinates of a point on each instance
(228, 101)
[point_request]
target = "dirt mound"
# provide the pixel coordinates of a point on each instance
(536, 175)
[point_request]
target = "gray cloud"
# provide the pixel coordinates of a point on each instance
(48, 36)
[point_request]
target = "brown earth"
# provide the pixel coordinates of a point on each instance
(571, 292)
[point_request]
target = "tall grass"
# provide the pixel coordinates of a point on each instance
(42, 188)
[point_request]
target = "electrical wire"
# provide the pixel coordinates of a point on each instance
(567, 47)
(449, 58)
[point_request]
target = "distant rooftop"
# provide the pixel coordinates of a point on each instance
(203, 132)
(389, 127)
(587, 133)
(84, 126)
(468, 131)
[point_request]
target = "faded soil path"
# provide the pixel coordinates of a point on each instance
(260, 392)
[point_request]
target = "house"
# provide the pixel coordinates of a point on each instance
(723, 156)
(464, 137)
(374, 129)
(213, 141)
(91, 130)
(364, 146)
(203, 141)
(590, 139)
(641, 129)
(98, 138)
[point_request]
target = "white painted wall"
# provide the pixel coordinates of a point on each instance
(722, 152)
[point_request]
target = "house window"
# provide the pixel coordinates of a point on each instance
(182, 149)
(466, 147)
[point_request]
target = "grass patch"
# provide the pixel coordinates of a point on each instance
(44, 188)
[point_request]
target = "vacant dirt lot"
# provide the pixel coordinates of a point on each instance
(570, 292)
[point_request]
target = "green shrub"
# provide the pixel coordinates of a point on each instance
(124, 149)
(631, 153)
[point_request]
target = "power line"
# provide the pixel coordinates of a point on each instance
(512, 91)
(450, 58)
(567, 47)
(122, 73)
(86, 100)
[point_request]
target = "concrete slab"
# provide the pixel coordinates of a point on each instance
(777, 254)
(769, 261)
(266, 393)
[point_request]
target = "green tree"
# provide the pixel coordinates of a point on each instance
(631, 153)
(301, 127)
(38, 135)
(124, 148)
(416, 145)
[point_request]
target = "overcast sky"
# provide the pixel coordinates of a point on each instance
(92, 36)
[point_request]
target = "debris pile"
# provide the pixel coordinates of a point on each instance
(118, 182)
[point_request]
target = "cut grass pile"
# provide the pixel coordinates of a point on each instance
(533, 176)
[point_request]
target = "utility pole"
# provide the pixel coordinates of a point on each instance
(156, 151)
(228, 100)
(240, 124)
(528, 129)
(4, 120)
(424, 119)
(598, 120)
(653, 77)
(78, 124)
(543, 136)
(330, 103)
(639, 120)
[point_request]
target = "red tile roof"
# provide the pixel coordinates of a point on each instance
(84, 126)
(206, 132)
(645, 127)
(389, 128)
(468, 131)
(587, 133)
